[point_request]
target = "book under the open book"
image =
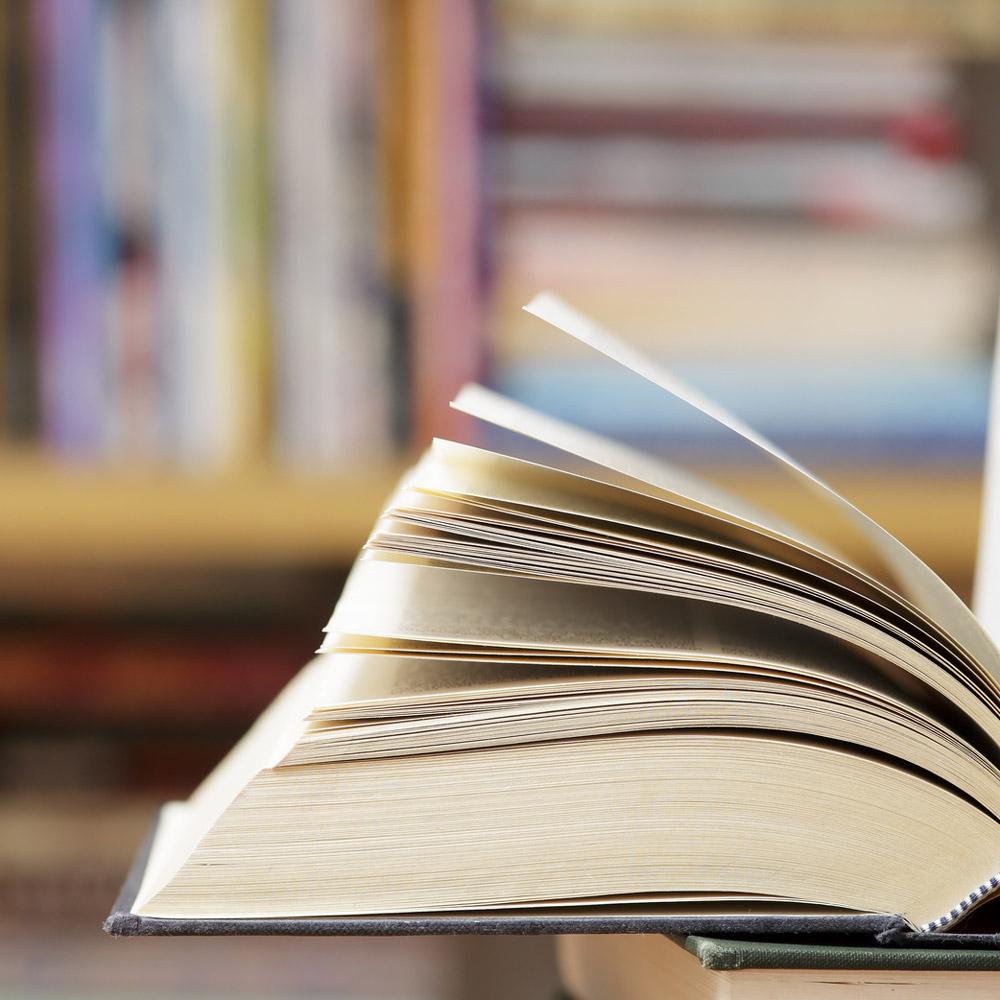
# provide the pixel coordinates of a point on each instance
(658, 967)
(602, 681)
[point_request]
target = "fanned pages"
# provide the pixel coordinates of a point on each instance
(601, 683)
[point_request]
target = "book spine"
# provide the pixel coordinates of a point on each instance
(127, 169)
(932, 133)
(243, 59)
(300, 173)
(210, 208)
(872, 182)
(332, 356)
(394, 124)
(444, 231)
(187, 334)
(6, 190)
(74, 239)
(307, 175)
(20, 389)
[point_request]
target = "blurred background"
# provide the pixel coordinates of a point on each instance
(250, 249)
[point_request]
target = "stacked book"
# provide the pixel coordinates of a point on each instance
(657, 967)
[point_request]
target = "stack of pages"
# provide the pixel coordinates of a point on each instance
(602, 683)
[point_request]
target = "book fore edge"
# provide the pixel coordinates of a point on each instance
(978, 895)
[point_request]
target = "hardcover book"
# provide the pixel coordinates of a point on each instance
(655, 967)
(597, 691)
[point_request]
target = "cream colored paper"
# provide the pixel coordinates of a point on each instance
(915, 578)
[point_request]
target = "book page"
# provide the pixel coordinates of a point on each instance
(359, 685)
(916, 580)
(600, 704)
(450, 468)
(583, 530)
(496, 481)
(493, 408)
(430, 604)
(491, 544)
(674, 484)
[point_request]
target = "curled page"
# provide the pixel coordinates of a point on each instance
(915, 579)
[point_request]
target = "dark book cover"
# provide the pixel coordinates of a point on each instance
(724, 955)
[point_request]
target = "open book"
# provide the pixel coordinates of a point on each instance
(603, 682)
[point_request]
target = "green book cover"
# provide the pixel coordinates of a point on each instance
(722, 955)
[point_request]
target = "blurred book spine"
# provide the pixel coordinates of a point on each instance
(18, 226)
(226, 270)
(74, 241)
(6, 190)
(244, 100)
(443, 50)
(859, 181)
(333, 358)
(205, 93)
(394, 149)
(127, 156)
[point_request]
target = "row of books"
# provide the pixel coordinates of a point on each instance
(762, 214)
(192, 262)
(275, 240)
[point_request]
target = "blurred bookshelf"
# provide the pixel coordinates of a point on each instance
(249, 250)
(276, 319)
(130, 515)
(257, 517)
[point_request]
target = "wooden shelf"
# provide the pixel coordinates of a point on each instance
(960, 28)
(54, 514)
